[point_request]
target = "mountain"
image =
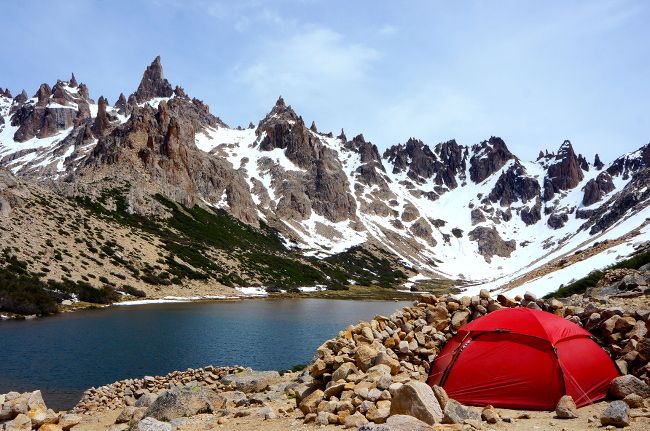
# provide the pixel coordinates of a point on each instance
(476, 213)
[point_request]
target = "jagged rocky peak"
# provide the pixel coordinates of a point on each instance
(313, 127)
(414, 156)
(564, 172)
(514, 185)
(630, 163)
(5, 93)
(121, 104)
(598, 164)
(101, 124)
(73, 81)
(487, 158)
(153, 83)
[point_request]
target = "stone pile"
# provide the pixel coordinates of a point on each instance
(356, 376)
(24, 412)
(131, 392)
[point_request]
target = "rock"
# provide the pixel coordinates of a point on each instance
(456, 413)
(342, 372)
(69, 420)
(407, 423)
(490, 415)
(50, 427)
(355, 421)
(616, 414)
(251, 381)
(418, 400)
(566, 408)
(129, 414)
(184, 401)
(232, 399)
(41, 416)
(310, 403)
(384, 359)
(622, 386)
(145, 400)
(378, 415)
(153, 83)
(633, 401)
(22, 422)
(441, 395)
(151, 424)
(364, 357)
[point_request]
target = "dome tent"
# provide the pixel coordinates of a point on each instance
(524, 359)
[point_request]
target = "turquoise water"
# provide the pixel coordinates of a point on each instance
(66, 354)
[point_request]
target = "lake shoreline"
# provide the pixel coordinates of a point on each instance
(353, 294)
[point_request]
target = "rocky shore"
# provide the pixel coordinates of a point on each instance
(370, 377)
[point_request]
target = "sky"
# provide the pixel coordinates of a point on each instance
(534, 73)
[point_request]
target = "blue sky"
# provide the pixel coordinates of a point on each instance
(531, 72)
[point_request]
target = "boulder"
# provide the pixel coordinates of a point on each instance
(251, 381)
(184, 401)
(418, 400)
(151, 424)
(232, 398)
(622, 386)
(456, 413)
(566, 408)
(310, 403)
(633, 401)
(616, 414)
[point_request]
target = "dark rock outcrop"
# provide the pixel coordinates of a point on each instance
(514, 185)
(490, 243)
(487, 158)
(101, 124)
(596, 188)
(564, 174)
(153, 83)
(598, 164)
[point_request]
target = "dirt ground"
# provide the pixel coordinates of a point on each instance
(589, 419)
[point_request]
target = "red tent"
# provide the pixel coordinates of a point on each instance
(524, 359)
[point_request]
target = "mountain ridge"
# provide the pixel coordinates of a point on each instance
(476, 213)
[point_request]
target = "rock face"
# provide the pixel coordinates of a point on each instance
(596, 188)
(564, 173)
(489, 156)
(490, 243)
(153, 83)
(12, 193)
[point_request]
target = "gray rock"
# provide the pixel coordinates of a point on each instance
(623, 386)
(129, 414)
(456, 413)
(416, 399)
(151, 424)
(616, 414)
(184, 401)
(233, 398)
(145, 400)
(566, 408)
(251, 381)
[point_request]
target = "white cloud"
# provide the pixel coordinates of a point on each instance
(387, 29)
(307, 65)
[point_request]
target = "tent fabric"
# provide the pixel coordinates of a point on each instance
(524, 359)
